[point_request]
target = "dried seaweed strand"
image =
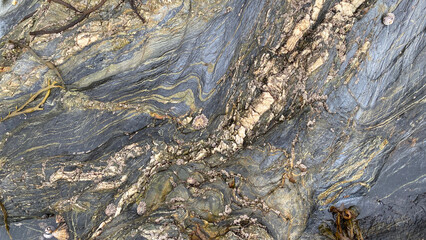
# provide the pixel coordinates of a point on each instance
(67, 5)
(28, 16)
(21, 110)
(60, 29)
(3, 209)
(47, 89)
(49, 64)
(80, 18)
(200, 233)
(135, 9)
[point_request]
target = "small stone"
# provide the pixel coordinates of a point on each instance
(141, 208)
(110, 210)
(310, 123)
(180, 161)
(388, 19)
(228, 209)
(302, 167)
(191, 181)
(10, 46)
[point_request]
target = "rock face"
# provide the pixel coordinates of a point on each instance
(212, 119)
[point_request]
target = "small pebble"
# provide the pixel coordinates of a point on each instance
(200, 122)
(141, 208)
(191, 181)
(302, 167)
(10, 46)
(388, 19)
(110, 210)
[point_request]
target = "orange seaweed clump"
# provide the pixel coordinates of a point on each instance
(346, 227)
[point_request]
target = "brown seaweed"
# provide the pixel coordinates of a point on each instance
(80, 18)
(49, 64)
(23, 109)
(82, 15)
(347, 227)
(135, 10)
(6, 225)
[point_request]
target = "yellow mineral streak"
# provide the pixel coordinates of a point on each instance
(357, 164)
(356, 59)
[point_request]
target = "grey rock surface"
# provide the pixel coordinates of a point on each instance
(213, 119)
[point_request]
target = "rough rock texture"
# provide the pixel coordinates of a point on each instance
(220, 119)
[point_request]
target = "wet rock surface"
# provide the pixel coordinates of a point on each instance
(213, 119)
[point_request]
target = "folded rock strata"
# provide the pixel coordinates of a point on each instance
(213, 119)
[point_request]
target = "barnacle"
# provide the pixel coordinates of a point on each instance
(60, 233)
(200, 122)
